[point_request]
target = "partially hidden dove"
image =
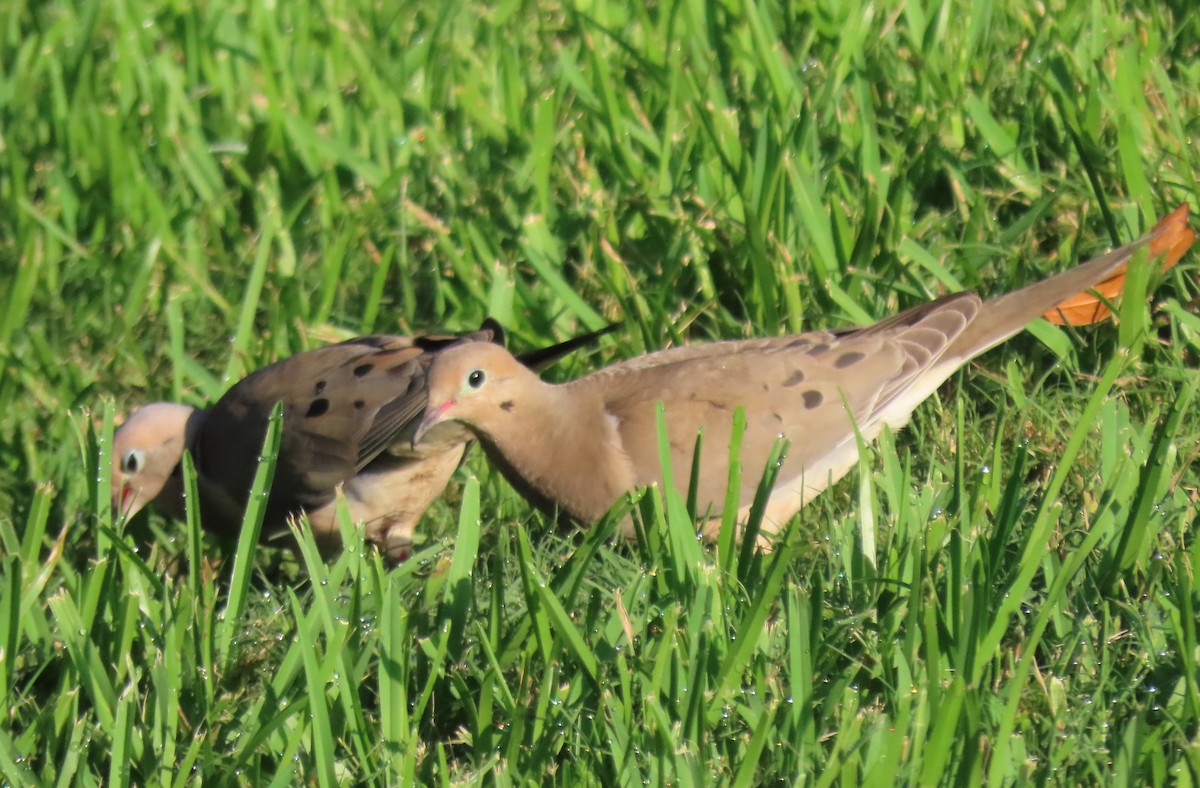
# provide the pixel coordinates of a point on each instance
(577, 447)
(349, 414)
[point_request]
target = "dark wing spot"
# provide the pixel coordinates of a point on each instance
(777, 417)
(848, 359)
(798, 343)
(317, 408)
(358, 404)
(507, 405)
(317, 389)
(363, 369)
(817, 350)
(812, 399)
(795, 378)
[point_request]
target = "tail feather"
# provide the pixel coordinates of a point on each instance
(1003, 317)
(542, 358)
(1090, 307)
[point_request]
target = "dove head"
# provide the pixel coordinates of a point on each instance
(475, 384)
(146, 449)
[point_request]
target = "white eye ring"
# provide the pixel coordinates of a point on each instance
(133, 461)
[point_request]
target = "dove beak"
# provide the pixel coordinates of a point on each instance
(434, 415)
(123, 503)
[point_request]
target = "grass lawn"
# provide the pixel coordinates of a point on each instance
(1005, 591)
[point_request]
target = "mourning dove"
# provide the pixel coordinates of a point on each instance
(579, 446)
(349, 412)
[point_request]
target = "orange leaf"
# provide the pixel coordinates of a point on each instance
(1171, 237)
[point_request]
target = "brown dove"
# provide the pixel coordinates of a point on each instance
(349, 412)
(578, 447)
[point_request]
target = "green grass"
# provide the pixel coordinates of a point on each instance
(1005, 591)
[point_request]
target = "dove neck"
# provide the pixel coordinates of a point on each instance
(220, 512)
(560, 449)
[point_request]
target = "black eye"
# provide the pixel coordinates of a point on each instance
(133, 461)
(476, 378)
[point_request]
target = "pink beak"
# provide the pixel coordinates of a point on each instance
(122, 502)
(434, 415)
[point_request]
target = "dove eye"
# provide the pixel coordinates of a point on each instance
(133, 461)
(476, 378)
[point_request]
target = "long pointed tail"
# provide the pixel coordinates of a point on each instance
(1083, 309)
(538, 360)
(1071, 291)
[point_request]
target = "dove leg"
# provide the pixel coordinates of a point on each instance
(392, 499)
